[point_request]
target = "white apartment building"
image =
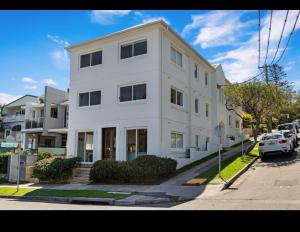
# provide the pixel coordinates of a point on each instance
(144, 90)
(39, 124)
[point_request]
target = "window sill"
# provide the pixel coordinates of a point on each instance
(144, 101)
(177, 107)
(89, 107)
(133, 58)
(177, 66)
(90, 68)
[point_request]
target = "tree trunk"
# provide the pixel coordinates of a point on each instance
(269, 124)
(254, 130)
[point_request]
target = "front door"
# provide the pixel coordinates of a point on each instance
(109, 143)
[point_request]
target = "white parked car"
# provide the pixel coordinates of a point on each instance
(275, 143)
(292, 128)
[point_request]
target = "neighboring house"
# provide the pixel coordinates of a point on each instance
(144, 90)
(46, 122)
(14, 118)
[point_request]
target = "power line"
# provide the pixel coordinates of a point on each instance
(289, 38)
(269, 36)
(286, 16)
(258, 38)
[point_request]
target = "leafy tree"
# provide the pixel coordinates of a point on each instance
(255, 98)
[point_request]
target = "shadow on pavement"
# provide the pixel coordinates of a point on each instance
(279, 160)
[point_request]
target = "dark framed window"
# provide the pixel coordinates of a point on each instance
(140, 48)
(125, 93)
(85, 60)
(196, 71)
(206, 109)
(90, 98)
(95, 98)
(84, 99)
(133, 92)
(91, 59)
(206, 79)
(196, 105)
(54, 112)
(134, 49)
(96, 58)
(176, 97)
(139, 92)
(126, 51)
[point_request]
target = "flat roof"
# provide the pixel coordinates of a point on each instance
(161, 22)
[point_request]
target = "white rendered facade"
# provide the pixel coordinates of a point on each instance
(162, 122)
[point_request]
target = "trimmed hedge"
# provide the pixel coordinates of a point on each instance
(55, 169)
(144, 169)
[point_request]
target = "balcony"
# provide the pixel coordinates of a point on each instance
(14, 118)
(31, 124)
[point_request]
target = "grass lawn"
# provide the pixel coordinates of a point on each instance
(254, 151)
(12, 191)
(229, 167)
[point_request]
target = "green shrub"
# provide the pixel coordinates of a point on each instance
(55, 169)
(44, 155)
(144, 169)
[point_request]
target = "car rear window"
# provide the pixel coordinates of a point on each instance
(268, 137)
(285, 127)
(286, 134)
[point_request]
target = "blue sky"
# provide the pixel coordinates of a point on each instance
(32, 42)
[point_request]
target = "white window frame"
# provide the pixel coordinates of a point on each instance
(177, 148)
(76, 148)
(237, 124)
(132, 101)
(89, 92)
(136, 139)
(177, 90)
(176, 52)
(132, 43)
(90, 52)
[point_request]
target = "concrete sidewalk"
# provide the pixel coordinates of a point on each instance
(170, 190)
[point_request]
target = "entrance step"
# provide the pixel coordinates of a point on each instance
(80, 175)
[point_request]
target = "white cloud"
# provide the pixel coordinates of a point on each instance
(49, 81)
(58, 40)
(217, 28)
(28, 80)
(60, 56)
(7, 98)
(30, 87)
(107, 17)
(148, 18)
(241, 63)
(60, 59)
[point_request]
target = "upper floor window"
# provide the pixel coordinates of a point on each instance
(176, 56)
(53, 113)
(237, 124)
(91, 59)
(206, 109)
(229, 120)
(133, 49)
(196, 71)
(133, 92)
(196, 105)
(176, 97)
(206, 78)
(90, 98)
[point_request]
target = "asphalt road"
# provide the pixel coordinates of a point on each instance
(271, 184)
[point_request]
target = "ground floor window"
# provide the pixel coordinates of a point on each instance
(197, 141)
(176, 140)
(136, 143)
(7, 133)
(206, 143)
(85, 146)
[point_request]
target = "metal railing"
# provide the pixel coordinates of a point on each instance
(13, 118)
